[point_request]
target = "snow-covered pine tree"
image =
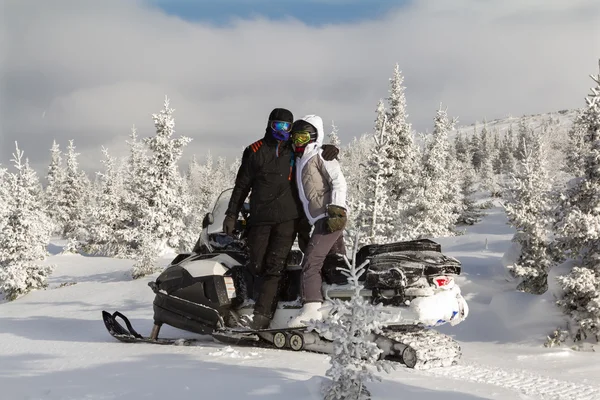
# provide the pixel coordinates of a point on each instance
(402, 151)
(334, 139)
(577, 146)
(147, 252)
(356, 173)
(53, 197)
(475, 148)
(506, 156)
(528, 208)
(435, 210)
(577, 233)
(75, 195)
(349, 323)
(495, 154)
(4, 193)
(167, 204)
(379, 214)
(460, 148)
(468, 211)
(134, 200)
(523, 138)
(106, 216)
(24, 232)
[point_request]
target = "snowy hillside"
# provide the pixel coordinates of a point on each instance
(53, 344)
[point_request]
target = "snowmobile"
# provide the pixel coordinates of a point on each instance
(208, 290)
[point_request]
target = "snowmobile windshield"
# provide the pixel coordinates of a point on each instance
(219, 210)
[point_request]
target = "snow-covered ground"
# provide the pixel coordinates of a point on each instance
(53, 344)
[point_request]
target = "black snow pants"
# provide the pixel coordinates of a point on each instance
(269, 247)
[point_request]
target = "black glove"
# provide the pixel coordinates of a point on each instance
(330, 152)
(336, 218)
(229, 224)
(303, 227)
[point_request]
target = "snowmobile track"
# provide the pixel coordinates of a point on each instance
(433, 349)
(530, 384)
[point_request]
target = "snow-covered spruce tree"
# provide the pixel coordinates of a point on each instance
(167, 203)
(105, 219)
(24, 232)
(435, 209)
(402, 151)
(146, 254)
(468, 211)
(74, 193)
(334, 139)
(528, 208)
(350, 323)
(578, 234)
(577, 146)
(134, 200)
(356, 172)
(53, 196)
(475, 148)
(506, 156)
(379, 210)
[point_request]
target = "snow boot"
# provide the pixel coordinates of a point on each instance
(254, 322)
(309, 311)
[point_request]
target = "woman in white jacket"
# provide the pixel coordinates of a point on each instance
(322, 189)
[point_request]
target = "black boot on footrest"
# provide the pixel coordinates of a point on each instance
(254, 322)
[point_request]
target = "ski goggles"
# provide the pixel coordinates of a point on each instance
(301, 138)
(281, 126)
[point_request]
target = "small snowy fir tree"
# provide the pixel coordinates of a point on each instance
(105, 214)
(402, 151)
(577, 146)
(378, 212)
(134, 200)
(435, 208)
(24, 232)
(53, 196)
(147, 254)
(334, 139)
(75, 196)
(577, 231)
(166, 199)
(349, 324)
(529, 211)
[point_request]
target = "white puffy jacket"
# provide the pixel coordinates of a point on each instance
(320, 182)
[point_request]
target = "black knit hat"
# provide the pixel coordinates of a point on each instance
(281, 114)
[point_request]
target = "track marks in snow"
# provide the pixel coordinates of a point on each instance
(527, 383)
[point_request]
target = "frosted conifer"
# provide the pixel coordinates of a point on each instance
(528, 209)
(147, 254)
(74, 196)
(107, 217)
(435, 210)
(379, 212)
(334, 139)
(24, 233)
(53, 197)
(577, 146)
(401, 150)
(349, 324)
(165, 197)
(577, 232)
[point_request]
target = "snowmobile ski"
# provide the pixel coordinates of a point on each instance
(130, 335)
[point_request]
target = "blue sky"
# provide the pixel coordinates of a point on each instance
(311, 12)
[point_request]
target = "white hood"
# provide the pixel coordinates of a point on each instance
(317, 122)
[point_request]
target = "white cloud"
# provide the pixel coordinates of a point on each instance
(90, 70)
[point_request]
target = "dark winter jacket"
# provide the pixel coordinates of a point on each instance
(267, 174)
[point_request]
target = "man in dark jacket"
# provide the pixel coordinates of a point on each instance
(276, 213)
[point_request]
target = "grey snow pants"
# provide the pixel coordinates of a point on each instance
(320, 244)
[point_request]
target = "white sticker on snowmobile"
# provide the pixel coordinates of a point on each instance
(229, 286)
